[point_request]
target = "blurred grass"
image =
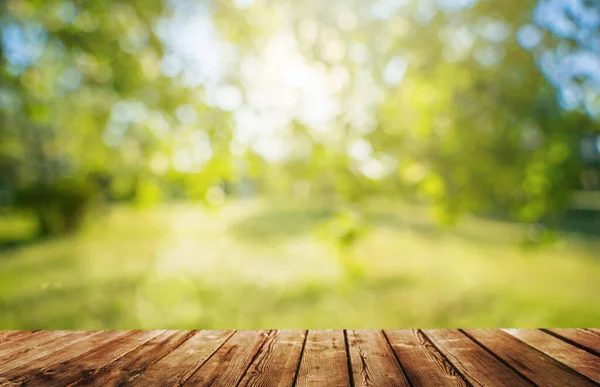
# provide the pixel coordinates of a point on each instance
(256, 264)
(16, 229)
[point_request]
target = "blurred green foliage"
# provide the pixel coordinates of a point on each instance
(130, 110)
(442, 102)
(59, 206)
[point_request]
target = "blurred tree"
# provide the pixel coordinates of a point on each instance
(467, 113)
(475, 106)
(83, 103)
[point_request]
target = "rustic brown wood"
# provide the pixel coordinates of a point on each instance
(28, 354)
(84, 365)
(56, 357)
(25, 341)
(277, 360)
(529, 362)
(229, 363)
(373, 361)
(473, 362)
(579, 360)
(5, 333)
(134, 363)
(422, 363)
(594, 330)
(324, 361)
(582, 338)
(474, 357)
(178, 366)
(9, 335)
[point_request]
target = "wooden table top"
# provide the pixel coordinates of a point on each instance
(444, 357)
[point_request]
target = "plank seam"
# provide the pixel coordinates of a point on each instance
(8, 368)
(295, 381)
(387, 339)
(498, 356)
(208, 358)
(446, 358)
(567, 340)
(561, 364)
(348, 359)
(140, 372)
(50, 366)
(91, 373)
(255, 356)
(566, 367)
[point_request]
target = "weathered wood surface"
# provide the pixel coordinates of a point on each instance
(324, 360)
(445, 357)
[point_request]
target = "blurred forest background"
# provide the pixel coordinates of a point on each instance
(307, 164)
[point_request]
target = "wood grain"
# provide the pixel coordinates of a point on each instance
(30, 354)
(582, 338)
(373, 360)
(324, 361)
(577, 359)
(9, 335)
(82, 366)
(277, 360)
(62, 355)
(128, 367)
(474, 357)
(473, 362)
(422, 363)
(229, 363)
(26, 341)
(5, 334)
(534, 365)
(178, 366)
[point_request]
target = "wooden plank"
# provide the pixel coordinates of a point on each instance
(9, 335)
(88, 363)
(5, 333)
(594, 330)
(30, 341)
(26, 341)
(128, 367)
(553, 357)
(62, 355)
(229, 363)
(373, 360)
(29, 354)
(582, 338)
(579, 360)
(179, 365)
(473, 362)
(277, 360)
(534, 365)
(422, 363)
(324, 361)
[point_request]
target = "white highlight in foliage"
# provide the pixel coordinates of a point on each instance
(394, 71)
(373, 169)
(228, 98)
(242, 4)
(360, 149)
